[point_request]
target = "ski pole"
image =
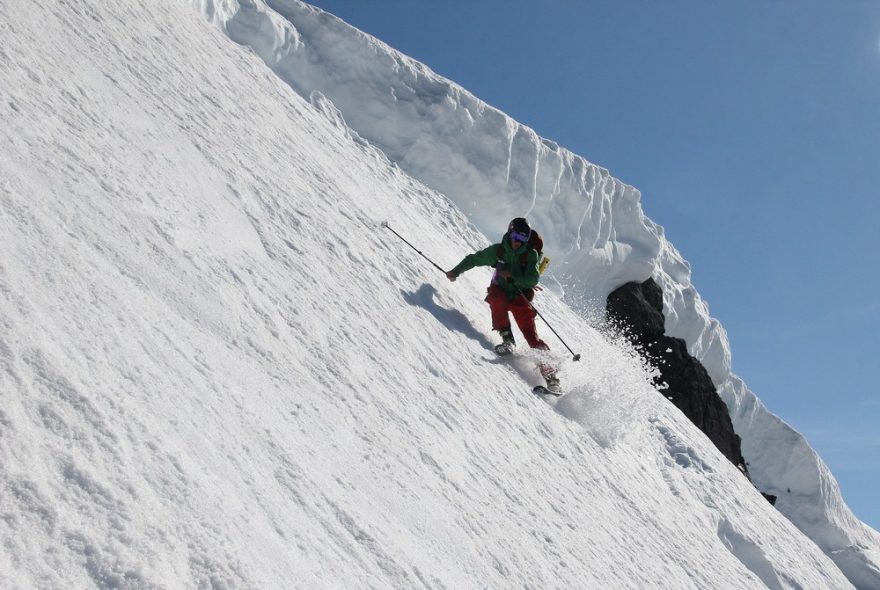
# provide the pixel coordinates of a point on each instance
(575, 357)
(388, 227)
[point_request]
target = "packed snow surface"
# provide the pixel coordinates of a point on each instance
(218, 370)
(494, 169)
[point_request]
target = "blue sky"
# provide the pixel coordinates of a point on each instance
(752, 131)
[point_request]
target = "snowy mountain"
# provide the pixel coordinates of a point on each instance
(218, 370)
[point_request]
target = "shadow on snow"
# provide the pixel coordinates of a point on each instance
(451, 318)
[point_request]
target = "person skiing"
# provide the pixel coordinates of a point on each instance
(512, 289)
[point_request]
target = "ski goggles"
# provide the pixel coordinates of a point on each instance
(521, 238)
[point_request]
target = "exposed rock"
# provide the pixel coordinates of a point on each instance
(637, 308)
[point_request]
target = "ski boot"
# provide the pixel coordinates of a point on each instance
(553, 385)
(551, 377)
(508, 344)
(552, 388)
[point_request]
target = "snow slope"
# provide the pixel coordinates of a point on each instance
(218, 371)
(494, 168)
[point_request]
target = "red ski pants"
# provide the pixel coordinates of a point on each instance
(522, 312)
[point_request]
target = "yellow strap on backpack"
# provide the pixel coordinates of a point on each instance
(542, 266)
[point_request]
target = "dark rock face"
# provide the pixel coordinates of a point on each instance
(637, 308)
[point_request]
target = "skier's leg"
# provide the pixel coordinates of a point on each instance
(525, 316)
(525, 320)
(499, 306)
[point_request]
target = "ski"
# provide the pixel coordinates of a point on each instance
(543, 390)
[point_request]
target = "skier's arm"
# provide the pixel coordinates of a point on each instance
(485, 257)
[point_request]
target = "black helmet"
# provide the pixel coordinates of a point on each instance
(520, 226)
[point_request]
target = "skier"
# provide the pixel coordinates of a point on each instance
(512, 289)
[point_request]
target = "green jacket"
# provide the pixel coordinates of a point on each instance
(520, 279)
